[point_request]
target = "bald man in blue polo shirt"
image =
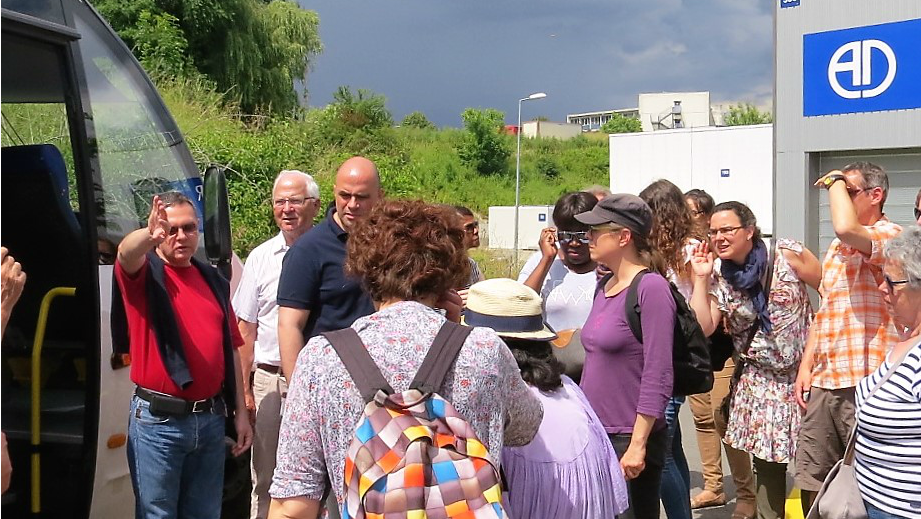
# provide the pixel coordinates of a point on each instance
(314, 294)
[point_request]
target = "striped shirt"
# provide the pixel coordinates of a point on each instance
(888, 453)
(475, 275)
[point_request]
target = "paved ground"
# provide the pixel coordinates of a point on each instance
(689, 440)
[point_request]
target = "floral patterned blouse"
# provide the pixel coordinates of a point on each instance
(765, 418)
(323, 406)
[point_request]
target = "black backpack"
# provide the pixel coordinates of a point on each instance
(690, 349)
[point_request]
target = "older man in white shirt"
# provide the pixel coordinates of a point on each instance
(295, 201)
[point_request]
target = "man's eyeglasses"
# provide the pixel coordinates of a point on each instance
(725, 231)
(470, 227)
(189, 228)
(293, 202)
(891, 283)
(571, 236)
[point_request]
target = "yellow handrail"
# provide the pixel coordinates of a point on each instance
(37, 389)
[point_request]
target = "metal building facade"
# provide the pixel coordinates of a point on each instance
(805, 147)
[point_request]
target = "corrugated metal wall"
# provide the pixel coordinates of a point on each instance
(804, 147)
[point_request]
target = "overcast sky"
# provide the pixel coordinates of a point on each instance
(441, 56)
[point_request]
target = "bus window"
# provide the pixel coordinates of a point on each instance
(138, 144)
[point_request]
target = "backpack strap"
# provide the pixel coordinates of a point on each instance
(358, 362)
(440, 358)
(632, 306)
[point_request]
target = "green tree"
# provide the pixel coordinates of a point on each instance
(253, 50)
(620, 124)
(746, 113)
(484, 148)
(417, 119)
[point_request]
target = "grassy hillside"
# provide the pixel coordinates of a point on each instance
(414, 163)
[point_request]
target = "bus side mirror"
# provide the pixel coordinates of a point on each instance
(217, 219)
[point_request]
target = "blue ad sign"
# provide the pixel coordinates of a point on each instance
(788, 3)
(865, 69)
(724, 173)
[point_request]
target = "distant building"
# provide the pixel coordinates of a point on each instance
(546, 129)
(592, 121)
(660, 111)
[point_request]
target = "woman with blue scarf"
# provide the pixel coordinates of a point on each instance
(769, 328)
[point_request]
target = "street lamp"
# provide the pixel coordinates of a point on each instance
(536, 95)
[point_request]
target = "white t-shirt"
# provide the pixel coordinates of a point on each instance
(567, 296)
(256, 299)
(685, 284)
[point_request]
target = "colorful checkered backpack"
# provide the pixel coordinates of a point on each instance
(413, 455)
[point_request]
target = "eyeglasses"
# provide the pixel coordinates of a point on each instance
(854, 192)
(917, 213)
(189, 228)
(725, 231)
(571, 236)
(894, 283)
(293, 202)
(472, 226)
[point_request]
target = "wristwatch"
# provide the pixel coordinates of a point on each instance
(831, 179)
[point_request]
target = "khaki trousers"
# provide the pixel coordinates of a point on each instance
(268, 390)
(710, 430)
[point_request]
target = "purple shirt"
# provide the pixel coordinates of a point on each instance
(623, 378)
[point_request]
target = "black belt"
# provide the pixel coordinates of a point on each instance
(161, 404)
(268, 368)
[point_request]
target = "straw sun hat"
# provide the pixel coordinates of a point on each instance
(508, 307)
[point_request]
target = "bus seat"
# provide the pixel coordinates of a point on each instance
(41, 232)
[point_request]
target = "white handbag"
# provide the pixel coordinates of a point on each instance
(839, 497)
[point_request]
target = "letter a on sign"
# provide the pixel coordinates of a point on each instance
(861, 68)
(865, 69)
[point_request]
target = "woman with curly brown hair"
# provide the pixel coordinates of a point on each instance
(408, 255)
(673, 238)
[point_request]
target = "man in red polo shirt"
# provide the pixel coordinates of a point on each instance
(183, 341)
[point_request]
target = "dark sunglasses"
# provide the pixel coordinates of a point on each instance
(189, 228)
(571, 236)
(472, 226)
(917, 213)
(894, 283)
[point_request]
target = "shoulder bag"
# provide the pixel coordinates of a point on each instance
(839, 497)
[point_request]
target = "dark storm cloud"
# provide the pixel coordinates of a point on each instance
(442, 56)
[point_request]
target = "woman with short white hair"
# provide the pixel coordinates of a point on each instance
(888, 448)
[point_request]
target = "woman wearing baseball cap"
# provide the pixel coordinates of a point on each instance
(629, 383)
(569, 470)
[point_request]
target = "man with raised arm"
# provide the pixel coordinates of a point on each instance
(852, 330)
(174, 313)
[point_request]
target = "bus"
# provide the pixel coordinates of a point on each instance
(86, 141)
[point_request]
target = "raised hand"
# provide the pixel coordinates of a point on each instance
(547, 242)
(158, 223)
(702, 260)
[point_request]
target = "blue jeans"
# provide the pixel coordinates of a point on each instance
(676, 477)
(176, 463)
(876, 513)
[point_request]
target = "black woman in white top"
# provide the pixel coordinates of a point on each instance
(888, 452)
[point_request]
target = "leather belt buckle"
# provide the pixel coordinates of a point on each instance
(201, 406)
